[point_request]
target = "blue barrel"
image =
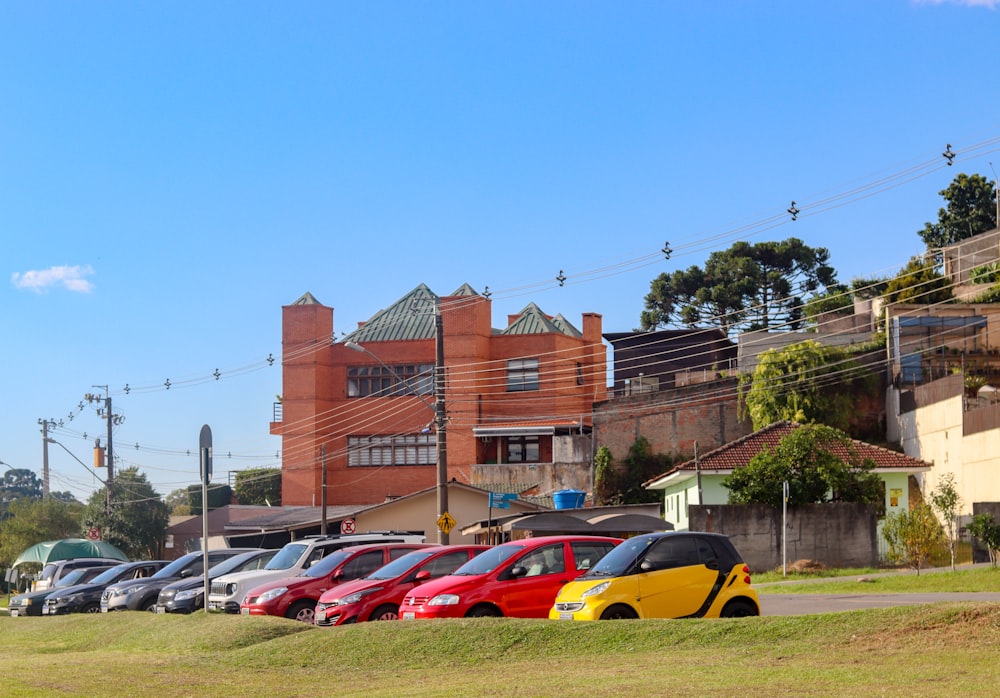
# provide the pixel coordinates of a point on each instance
(568, 499)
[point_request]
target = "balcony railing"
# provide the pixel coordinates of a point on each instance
(276, 412)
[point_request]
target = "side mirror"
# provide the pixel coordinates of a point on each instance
(422, 576)
(337, 574)
(646, 566)
(518, 571)
(185, 574)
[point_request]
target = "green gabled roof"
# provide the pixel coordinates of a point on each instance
(465, 290)
(531, 320)
(307, 299)
(411, 317)
(566, 327)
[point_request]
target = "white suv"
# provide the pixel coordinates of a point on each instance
(228, 590)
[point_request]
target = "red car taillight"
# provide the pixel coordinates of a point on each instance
(746, 572)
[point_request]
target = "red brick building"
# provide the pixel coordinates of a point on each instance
(363, 408)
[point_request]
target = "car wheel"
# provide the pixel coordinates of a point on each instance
(619, 612)
(739, 608)
(91, 608)
(149, 605)
(386, 612)
(302, 610)
(484, 612)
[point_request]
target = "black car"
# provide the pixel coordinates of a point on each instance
(140, 594)
(188, 595)
(86, 598)
(31, 603)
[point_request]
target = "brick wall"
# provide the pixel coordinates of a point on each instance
(672, 420)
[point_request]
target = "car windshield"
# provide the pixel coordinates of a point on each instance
(488, 560)
(175, 567)
(401, 564)
(72, 578)
(287, 556)
(620, 559)
(323, 567)
(236, 563)
(108, 576)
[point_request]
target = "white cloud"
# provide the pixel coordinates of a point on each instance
(70, 278)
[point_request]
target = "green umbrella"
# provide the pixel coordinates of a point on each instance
(67, 549)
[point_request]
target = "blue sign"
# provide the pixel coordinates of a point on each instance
(501, 500)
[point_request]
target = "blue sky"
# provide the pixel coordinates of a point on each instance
(173, 173)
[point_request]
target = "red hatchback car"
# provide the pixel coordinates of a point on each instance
(520, 579)
(296, 597)
(377, 596)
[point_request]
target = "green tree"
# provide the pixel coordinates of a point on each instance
(622, 483)
(818, 462)
(603, 476)
(912, 535)
(970, 209)
(919, 282)
(946, 502)
(794, 384)
(260, 486)
(139, 517)
(835, 298)
(746, 287)
(35, 520)
(986, 529)
(179, 502)
(18, 483)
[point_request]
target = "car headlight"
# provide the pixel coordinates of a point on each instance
(444, 600)
(356, 596)
(595, 590)
(184, 594)
(74, 598)
(271, 594)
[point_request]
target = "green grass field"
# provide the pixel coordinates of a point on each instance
(932, 650)
(922, 650)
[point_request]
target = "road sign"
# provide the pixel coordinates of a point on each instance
(501, 500)
(446, 523)
(205, 446)
(93, 534)
(348, 526)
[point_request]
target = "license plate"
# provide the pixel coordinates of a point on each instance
(213, 607)
(245, 611)
(45, 610)
(160, 609)
(321, 615)
(104, 609)
(565, 616)
(14, 613)
(409, 615)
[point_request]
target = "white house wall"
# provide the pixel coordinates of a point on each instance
(934, 433)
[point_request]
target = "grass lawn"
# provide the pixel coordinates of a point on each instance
(980, 578)
(935, 650)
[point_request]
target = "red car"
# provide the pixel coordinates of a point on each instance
(296, 597)
(520, 579)
(377, 596)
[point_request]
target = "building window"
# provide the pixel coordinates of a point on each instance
(522, 449)
(522, 374)
(407, 449)
(411, 379)
(579, 373)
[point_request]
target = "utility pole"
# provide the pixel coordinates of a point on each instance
(45, 455)
(112, 420)
(442, 429)
(322, 460)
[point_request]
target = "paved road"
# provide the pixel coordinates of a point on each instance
(804, 604)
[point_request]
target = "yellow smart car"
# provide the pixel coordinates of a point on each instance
(678, 574)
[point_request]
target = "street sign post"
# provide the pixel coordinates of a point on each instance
(205, 451)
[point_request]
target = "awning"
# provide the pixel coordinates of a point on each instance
(535, 428)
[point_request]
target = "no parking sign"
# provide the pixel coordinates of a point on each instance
(348, 526)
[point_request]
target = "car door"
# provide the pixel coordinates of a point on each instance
(532, 595)
(673, 581)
